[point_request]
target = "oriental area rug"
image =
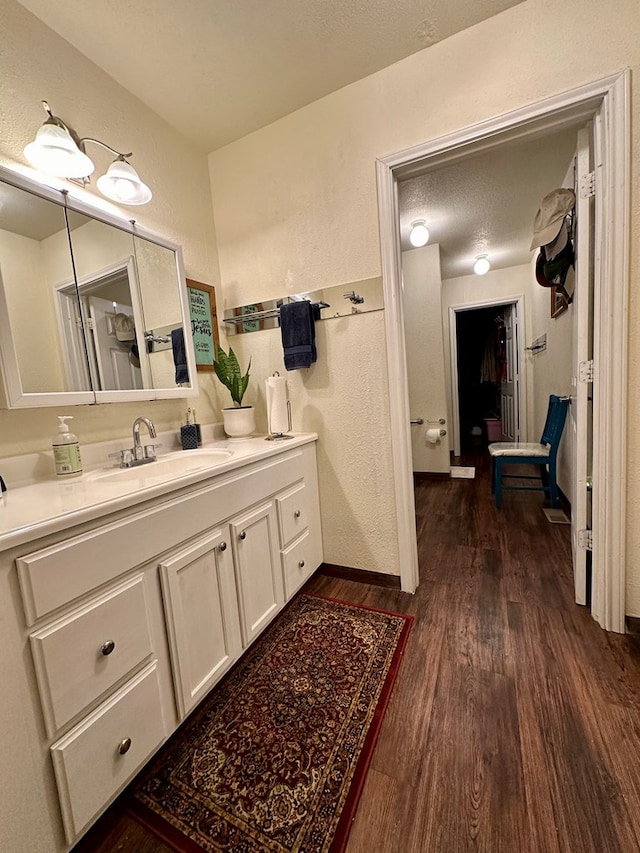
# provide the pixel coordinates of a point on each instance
(275, 757)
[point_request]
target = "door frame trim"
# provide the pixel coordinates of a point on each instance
(454, 414)
(607, 98)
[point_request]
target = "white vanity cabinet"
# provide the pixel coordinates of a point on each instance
(201, 606)
(117, 627)
(258, 575)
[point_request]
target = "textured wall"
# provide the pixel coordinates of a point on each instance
(552, 368)
(428, 389)
(295, 203)
(35, 64)
(343, 398)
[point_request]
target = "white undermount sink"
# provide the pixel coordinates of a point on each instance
(171, 465)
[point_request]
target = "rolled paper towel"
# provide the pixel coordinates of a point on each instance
(433, 436)
(277, 407)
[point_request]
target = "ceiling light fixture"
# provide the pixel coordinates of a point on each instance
(58, 150)
(481, 265)
(419, 234)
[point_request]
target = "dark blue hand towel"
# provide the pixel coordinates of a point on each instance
(179, 356)
(298, 334)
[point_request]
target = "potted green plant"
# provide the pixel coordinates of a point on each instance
(239, 420)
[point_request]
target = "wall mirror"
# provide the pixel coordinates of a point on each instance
(92, 308)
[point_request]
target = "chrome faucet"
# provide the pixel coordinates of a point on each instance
(140, 453)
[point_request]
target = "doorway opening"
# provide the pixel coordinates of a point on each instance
(606, 103)
(481, 362)
(487, 388)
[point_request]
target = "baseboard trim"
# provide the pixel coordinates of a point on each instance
(360, 576)
(420, 476)
(632, 624)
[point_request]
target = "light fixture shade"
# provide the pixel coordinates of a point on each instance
(419, 235)
(122, 184)
(482, 265)
(54, 151)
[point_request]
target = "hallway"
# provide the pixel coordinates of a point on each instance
(515, 721)
(515, 724)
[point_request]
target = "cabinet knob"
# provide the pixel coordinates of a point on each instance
(107, 647)
(301, 564)
(124, 745)
(222, 546)
(297, 513)
(243, 535)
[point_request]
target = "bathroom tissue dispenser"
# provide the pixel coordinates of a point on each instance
(434, 435)
(278, 407)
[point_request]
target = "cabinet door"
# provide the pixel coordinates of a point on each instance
(198, 588)
(258, 575)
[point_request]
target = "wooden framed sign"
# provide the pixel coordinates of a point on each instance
(204, 322)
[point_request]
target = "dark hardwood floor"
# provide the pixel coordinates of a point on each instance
(514, 725)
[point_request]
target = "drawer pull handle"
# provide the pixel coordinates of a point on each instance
(107, 647)
(124, 745)
(297, 513)
(222, 546)
(243, 535)
(301, 564)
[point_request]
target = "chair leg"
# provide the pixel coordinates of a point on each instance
(498, 483)
(554, 495)
(493, 475)
(544, 479)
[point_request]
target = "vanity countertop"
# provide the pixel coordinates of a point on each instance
(51, 505)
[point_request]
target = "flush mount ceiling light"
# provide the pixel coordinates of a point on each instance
(481, 265)
(58, 150)
(419, 234)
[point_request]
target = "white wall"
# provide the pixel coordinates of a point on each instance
(552, 368)
(26, 278)
(35, 63)
(422, 285)
(296, 202)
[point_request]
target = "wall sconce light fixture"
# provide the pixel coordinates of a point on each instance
(58, 150)
(482, 265)
(419, 234)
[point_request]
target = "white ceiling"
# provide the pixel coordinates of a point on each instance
(219, 69)
(486, 203)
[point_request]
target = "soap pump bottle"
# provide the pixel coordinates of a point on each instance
(66, 450)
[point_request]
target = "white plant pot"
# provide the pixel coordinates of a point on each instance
(239, 421)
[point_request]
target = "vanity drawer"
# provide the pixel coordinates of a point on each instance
(101, 754)
(83, 654)
(292, 512)
(298, 563)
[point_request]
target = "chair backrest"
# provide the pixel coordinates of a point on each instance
(554, 425)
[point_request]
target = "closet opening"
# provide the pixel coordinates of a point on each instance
(482, 367)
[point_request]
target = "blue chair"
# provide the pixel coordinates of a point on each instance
(543, 455)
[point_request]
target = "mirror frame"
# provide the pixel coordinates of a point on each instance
(14, 394)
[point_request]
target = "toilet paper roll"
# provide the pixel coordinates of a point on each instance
(433, 436)
(277, 408)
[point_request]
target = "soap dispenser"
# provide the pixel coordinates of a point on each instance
(66, 450)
